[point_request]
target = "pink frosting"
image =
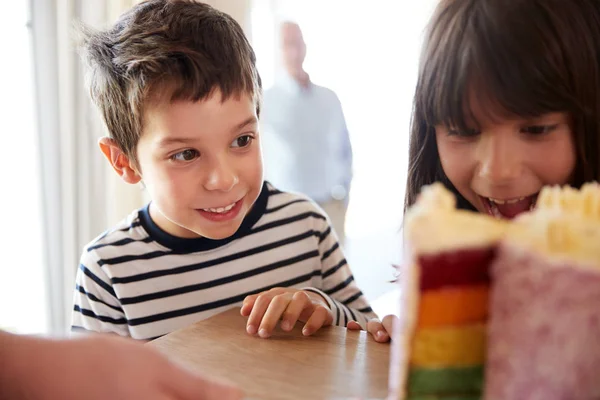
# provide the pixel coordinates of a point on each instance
(544, 329)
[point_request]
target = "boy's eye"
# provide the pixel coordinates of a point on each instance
(185, 155)
(242, 141)
(538, 129)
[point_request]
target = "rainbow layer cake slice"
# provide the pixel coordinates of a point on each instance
(500, 309)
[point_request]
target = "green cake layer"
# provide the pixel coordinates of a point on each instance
(451, 397)
(445, 381)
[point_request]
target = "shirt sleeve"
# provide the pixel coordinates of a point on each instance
(339, 288)
(96, 307)
(345, 149)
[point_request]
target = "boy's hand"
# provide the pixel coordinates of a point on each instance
(381, 331)
(289, 305)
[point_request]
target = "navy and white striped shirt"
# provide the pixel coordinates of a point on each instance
(137, 280)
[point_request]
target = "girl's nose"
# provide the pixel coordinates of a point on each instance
(499, 159)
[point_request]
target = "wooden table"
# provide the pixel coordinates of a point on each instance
(334, 363)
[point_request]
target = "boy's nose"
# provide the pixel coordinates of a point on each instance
(221, 177)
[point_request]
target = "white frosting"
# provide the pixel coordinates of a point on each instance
(584, 203)
(565, 224)
(435, 197)
(434, 224)
(560, 236)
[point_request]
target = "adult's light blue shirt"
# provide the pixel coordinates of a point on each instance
(306, 146)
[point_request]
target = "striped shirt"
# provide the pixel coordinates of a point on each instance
(137, 280)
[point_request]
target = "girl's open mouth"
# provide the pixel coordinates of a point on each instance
(509, 208)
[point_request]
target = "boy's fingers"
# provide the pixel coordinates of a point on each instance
(249, 301)
(258, 311)
(300, 301)
(320, 317)
(248, 304)
(274, 312)
(354, 326)
(376, 329)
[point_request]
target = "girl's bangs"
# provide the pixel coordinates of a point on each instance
(471, 56)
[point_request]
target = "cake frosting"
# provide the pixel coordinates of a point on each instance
(500, 309)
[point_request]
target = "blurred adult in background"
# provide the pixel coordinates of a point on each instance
(307, 147)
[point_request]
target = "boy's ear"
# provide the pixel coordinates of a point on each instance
(119, 161)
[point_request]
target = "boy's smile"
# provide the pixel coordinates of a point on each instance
(201, 164)
(225, 213)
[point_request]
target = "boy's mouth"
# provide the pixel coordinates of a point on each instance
(220, 210)
(222, 213)
(509, 208)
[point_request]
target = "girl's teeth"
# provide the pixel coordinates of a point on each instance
(515, 200)
(495, 212)
(494, 203)
(512, 201)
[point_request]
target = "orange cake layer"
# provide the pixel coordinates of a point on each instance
(450, 306)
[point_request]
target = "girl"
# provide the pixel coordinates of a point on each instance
(507, 101)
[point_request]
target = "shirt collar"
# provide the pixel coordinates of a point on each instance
(291, 85)
(189, 245)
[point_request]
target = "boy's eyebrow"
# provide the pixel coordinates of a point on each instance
(165, 142)
(248, 121)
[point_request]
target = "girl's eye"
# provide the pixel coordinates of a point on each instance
(185, 155)
(242, 141)
(539, 129)
(463, 133)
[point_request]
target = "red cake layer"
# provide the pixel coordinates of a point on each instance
(455, 268)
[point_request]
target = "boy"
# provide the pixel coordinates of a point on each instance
(177, 86)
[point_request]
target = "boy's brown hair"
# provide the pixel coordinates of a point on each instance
(164, 51)
(525, 57)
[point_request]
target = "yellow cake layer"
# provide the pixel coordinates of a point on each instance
(453, 306)
(449, 346)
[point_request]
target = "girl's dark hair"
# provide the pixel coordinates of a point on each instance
(528, 57)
